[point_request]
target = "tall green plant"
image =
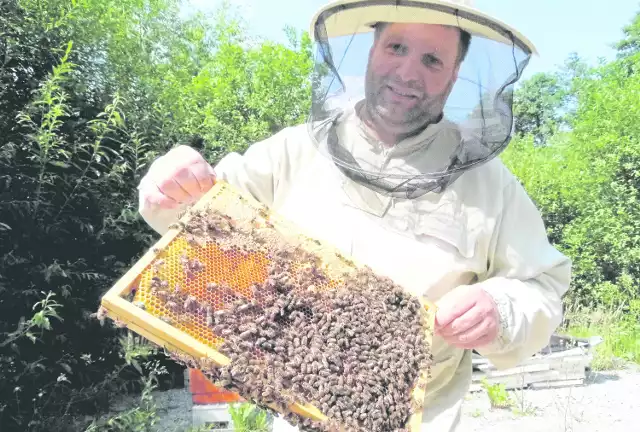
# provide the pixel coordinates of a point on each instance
(247, 417)
(80, 122)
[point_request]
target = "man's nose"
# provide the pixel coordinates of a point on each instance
(409, 69)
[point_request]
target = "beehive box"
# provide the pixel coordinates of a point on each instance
(284, 320)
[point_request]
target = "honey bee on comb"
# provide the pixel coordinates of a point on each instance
(302, 330)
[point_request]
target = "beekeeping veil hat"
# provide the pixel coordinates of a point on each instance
(445, 92)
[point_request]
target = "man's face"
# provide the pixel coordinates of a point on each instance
(411, 70)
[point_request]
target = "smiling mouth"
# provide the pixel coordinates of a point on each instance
(405, 94)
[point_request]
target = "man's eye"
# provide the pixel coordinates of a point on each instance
(431, 60)
(398, 48)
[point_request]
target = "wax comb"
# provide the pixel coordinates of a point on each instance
(286, 321)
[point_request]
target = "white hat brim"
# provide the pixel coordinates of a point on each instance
(348, 17)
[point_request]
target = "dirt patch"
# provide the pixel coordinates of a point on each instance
(607, 402)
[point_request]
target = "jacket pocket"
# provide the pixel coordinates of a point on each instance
(443, 222)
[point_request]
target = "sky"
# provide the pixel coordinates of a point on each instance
(556, 27)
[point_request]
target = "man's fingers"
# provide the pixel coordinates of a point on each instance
(451, 307)
(181, 176)
(462, 324)
(182, 186)
(156, 198)
(478, 335)
(475, 333)
(204, 175)
(151, 192)
(475, 344)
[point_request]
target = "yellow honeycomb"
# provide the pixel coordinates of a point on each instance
(263, 297)
(238, 270)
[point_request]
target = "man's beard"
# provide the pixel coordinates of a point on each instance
(394, 118)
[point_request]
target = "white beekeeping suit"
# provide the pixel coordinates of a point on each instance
(431, 206)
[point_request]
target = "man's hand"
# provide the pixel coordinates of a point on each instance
(467, 317)
(180, 176)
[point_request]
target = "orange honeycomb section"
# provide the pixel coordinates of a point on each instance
(186, 284)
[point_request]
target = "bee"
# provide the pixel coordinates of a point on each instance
(162, 295)
(191, 304)
(247, 334)
(221, 313)
(245, 345)
(177, 225)
(244, 307)
(205, 308)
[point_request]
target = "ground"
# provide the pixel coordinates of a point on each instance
(607, 402)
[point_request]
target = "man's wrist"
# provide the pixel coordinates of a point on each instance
(502, 310)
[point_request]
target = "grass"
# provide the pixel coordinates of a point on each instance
(620, 332)
(142, 418)
(498, 395)
(477, 413)
(500, 398)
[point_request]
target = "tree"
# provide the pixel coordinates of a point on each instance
(91, 92)
(587, 183)
(630, 44)
(537, 106)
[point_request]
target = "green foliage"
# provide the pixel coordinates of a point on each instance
(620, 331)
(46, 309)
(239, 92)
(247, 417)
(498, 395)
(586, 182)
(630, 45)
(141, 418)
(90, 93)
(536, 106)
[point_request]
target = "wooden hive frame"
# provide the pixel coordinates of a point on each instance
(223, 197)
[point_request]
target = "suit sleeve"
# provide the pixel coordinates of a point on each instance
(527, 278)
(255, 172)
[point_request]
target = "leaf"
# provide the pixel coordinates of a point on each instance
(59, 164)
(67, 368)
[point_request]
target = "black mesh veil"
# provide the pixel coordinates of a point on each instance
(389, 109)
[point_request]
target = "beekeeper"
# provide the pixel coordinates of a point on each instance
(397, 166)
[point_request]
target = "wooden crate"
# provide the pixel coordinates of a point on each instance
(561, 368)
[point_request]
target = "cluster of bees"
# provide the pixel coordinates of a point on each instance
(354, 352)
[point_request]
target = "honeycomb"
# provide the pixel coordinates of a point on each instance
(303, 330)
(168, 285)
